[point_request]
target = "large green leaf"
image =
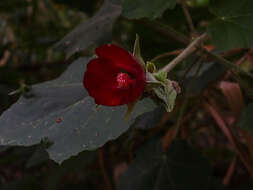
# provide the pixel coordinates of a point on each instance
(135, 9)
(181, 167)
(97, 29)
(233, 25)
(62, 111)
(246, 121)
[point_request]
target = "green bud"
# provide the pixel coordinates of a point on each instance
(150, 67)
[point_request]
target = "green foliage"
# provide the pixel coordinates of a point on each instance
(135, 9)
(232, 27)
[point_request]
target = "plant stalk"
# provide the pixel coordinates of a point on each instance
(188, 51)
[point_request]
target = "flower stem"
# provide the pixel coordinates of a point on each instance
(188, 51)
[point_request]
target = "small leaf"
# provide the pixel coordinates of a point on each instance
(97, 29)
(130, 108)
(161, 76)
(137, 51)
(167, 94)
(135, 9)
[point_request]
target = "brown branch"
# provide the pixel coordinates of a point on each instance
(188, 51)
(166, 54)
(169, 31)
(188, 17)
(230, 172)
(166, 31)
(230, 137)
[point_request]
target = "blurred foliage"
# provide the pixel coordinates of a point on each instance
(28, 30)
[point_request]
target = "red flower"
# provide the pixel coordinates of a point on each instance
(115, 77)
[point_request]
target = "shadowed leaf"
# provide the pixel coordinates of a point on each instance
(233, 25)
(97, 29)
(62, 112)
(135, 9)
(180, 167)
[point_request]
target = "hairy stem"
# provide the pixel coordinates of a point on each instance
(172, 33)
(188, 51)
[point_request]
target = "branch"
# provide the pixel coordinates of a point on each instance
(180, 37)
(166, 31)
(188, 51)
(188, 16)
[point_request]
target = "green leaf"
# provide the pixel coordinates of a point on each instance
(246, 121)
(137, 51)
(233, 25)
(161, 76)
(180, 167)
(167, 94)
(62, 111)
(97, 29)
(135, 9)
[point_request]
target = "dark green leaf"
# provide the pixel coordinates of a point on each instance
(179, 168)
(233, 25)
(62, 112)
(246, 121)
(74, 164)
(39, 156)
(135, 9)
(97, 29)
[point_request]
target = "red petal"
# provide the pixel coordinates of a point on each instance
(120, 57)
(100, 78)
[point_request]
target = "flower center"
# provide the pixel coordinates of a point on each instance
(124, 80)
